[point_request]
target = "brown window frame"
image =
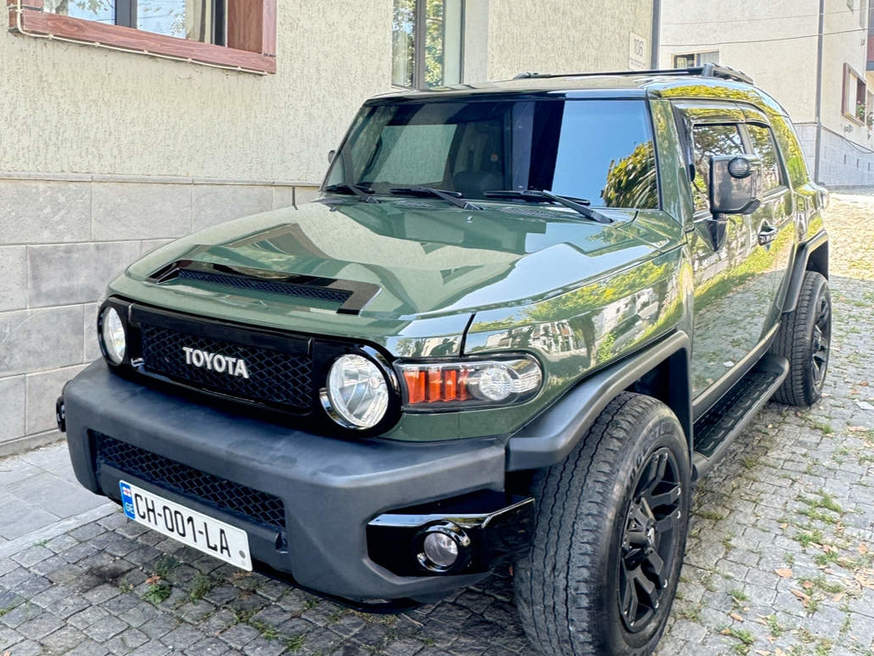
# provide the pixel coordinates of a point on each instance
(848, 112)
(251, 35)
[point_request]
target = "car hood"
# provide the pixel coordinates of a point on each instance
(419, 259)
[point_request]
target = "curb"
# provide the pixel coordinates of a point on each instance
(19, 544)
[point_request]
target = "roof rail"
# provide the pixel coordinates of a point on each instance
(707, 70)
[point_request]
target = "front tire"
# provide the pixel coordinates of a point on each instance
(611, 525)
(805, 339)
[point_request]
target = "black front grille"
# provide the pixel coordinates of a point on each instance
(260, 284)
(222, 494)
(274, 377)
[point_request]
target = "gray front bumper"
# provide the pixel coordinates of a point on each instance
(331, 488)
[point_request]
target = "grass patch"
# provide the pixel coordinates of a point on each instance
(823, 427)
(819, 516)
(157, 592)
(295, 642)
(200, 586)
(710, 514)
(739, 596)
(165, 565)
(693, 613)
(774, 626)
(745, 639)
(821, 583)
(826, 558)
(267, 631)
(243, 616)
(807, 538)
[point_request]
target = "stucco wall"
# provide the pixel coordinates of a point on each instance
(72, 108)
(557, 36)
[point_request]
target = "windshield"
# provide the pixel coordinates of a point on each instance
(597, 150)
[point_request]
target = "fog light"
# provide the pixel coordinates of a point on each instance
(444, 548)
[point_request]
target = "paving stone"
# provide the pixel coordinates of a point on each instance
(208, 647)
(239, 635)
(28, 648)
(106, 628)
(8, 637)
(126, 641)
(63, 640)
(182, 637)
(40, 626)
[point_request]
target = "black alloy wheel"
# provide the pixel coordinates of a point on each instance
(804, 340)
(652, 527)
(610, 531)
(821, 342)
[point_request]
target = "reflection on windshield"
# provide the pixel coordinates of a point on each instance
(599, 150)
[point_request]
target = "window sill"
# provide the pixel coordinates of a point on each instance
(35, 22)
(854, 120)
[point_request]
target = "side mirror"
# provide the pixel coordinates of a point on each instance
(734, 184)
(331, 154)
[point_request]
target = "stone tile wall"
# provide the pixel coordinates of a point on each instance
(843, 164)
(62, 238)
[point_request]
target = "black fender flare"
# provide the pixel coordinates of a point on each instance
(549, 438)
(802, 257)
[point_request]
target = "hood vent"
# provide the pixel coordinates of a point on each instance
(350, 294)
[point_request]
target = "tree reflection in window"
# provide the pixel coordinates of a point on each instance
(631, 182)
(763, 147)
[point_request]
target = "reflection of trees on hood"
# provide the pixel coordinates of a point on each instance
(631, 182)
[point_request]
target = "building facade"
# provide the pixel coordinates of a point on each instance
(782, 45)
(130, 123)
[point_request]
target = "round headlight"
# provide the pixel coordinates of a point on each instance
(112, 335)
(357, 392)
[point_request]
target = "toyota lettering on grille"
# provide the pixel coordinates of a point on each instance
(223, 364)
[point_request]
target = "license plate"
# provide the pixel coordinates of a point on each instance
(211, 536)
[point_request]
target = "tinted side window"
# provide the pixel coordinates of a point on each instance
(763, 146)
(709, 141)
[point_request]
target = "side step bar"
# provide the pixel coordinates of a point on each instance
(722, 424)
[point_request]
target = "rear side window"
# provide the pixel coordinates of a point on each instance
(763, 146)
(710, 141)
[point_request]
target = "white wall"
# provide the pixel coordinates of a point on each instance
(745, 32)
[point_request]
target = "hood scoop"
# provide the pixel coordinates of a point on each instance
(351, 295)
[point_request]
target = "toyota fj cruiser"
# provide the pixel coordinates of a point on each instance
(520, 322)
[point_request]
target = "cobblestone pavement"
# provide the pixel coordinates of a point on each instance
(780, 558)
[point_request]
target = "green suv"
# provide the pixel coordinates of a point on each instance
(521, 321)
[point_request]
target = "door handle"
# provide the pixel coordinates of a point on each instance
(767, 234)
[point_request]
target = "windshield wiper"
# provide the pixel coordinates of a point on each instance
(453, 197)
(580, 205)
(362, 191)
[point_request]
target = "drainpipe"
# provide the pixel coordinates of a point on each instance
(656, 33)
(819, 45)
